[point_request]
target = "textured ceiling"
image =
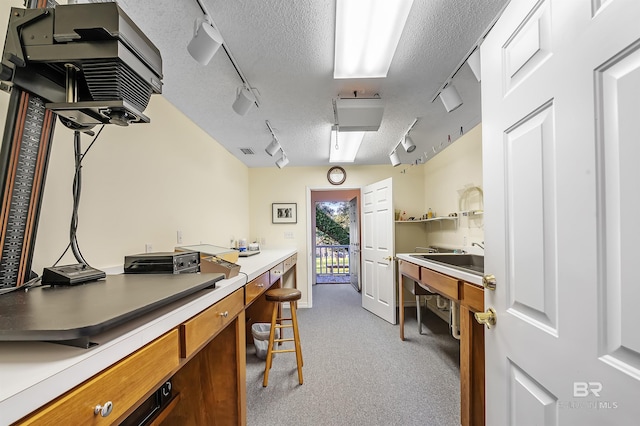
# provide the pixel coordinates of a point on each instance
(285, 50)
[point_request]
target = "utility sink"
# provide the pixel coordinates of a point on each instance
(471, 263)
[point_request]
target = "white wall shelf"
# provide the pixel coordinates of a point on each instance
(434, 219)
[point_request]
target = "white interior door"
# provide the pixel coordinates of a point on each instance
(378, 285)
(354, 244)
(560, 109)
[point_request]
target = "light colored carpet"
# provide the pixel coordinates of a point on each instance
(357, 371)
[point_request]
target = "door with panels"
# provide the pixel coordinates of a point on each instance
(378, 276)
(561, 96)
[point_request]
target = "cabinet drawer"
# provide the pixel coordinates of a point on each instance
(290, 262)
(256, 287)
(276, 272)
(123, 384)
(440, 283)
(198, 330)
(409, 269)
(472, 296)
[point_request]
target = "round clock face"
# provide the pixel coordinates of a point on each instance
(336, 175)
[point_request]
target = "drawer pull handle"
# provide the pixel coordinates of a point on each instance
(224, 314)
(260, 285)
(103, 410)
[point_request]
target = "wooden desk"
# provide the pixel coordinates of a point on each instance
(470, 297)
(199, 342)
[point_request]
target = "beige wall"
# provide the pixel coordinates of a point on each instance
(141, 184)
(445, 178)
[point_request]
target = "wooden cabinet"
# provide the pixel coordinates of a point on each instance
(212, 383)
(472, 296)
(122, 385)
(472, 395)
(276, 272)
(203, 327)
(440, 283)
(290, 262)
(409, 269)
(257, 309)
(256, 287)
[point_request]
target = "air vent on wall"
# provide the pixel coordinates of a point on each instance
(247, 151)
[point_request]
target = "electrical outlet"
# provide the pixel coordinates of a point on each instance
(179, 236)
(464, 241)
(148, 248)
(288, 235)
(263, 242)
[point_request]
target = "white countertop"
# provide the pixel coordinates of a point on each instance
(439, 267)
(34, 373)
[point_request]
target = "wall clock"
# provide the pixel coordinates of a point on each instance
(336, 175)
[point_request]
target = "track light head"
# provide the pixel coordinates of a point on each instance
(407, 144)
(450, 98)
(205, 42)
(394, 158)
(245, 99)
(283, 161)
(273, 147)
(474, 63)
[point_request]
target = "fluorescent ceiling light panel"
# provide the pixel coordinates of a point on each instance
(367, 35)
(348, 145)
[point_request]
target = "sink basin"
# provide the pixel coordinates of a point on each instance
(471, 263)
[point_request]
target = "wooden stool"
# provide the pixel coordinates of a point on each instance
(279, 295)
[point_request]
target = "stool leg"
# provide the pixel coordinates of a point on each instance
(280, 315)
(299, 344)
(296, 340)
(419, 313)
(272, 332)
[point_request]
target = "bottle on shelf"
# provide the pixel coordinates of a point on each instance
(429, 214)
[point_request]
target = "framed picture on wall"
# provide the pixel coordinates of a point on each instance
(284, 213)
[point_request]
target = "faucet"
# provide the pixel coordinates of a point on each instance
(427, 249)
(478, 244)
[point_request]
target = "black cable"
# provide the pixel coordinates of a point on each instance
(62, 255)
(76, 190)
(246, 279)
(92, 142)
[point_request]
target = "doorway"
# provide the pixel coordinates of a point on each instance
(335, 237)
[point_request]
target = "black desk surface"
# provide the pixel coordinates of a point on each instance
(64, 313)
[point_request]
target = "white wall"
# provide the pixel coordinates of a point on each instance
(445, 177)
(289, 185)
